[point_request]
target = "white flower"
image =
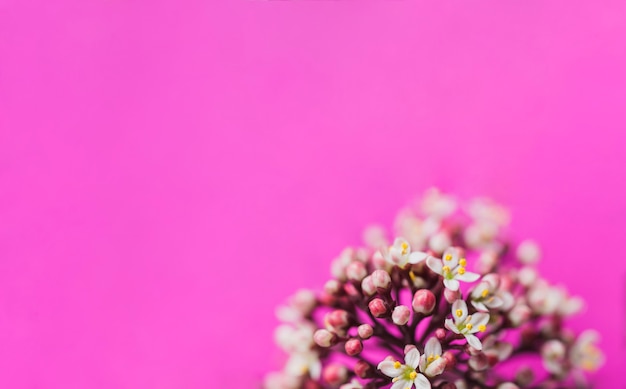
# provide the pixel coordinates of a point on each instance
(438, 205)
(486, 295)
(584, 353)
(405, 375)
(431, 362)
(546, 300)
(467, 325)
(553, 356)
(354, 384)
(298, 338)
(528, 252)
(452, 268)
(303, 363)
(400, 253)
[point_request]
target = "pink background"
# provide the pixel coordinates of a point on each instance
(169, 173)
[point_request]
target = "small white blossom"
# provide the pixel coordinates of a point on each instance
(405, 376)
(452, 268)
(585, 354)
(528, 252)
(487, 296)
(467, 325)
(400, 253)
(553, 356)
(438, 205)
(431, 363)
(303, 363)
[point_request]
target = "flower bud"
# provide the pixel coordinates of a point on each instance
(377, 307)
(356, 271)
(440, 333)
(439, 242)
(451, 296)
(424, 301)
(507, 385)
(324, 338)
(381, 279)
(351, 290)
(401, 315)
(450, 359)
(304, 301)
(336, 320)
(365, 331)
(527, 276)
(519, 314)
(367, 285)
(528, 252)
(335, 374)
(354, 346)
(363, 369)
(332, 287)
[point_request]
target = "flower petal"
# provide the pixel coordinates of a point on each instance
(402, 384)
(436, 367)
(473, 341)
(479, 319)
(467, 277)
(388, 368)
(453, 285)
(412, 358)
(480, 306)
(449, 324)
(435, 264)
(459, 305)
(433, 347)
(421, 382)
(417, 257)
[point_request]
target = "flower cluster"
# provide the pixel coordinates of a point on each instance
(443, 305)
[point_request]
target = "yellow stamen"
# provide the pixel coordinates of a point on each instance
(412, 275)
(469, 326)
(446, 269)
(485, 293)
(461, 270)
(436, 357)
(397, 364)
(459, 312)
(405, 247)
(430, 358)
(448, 257)
(482, 328)
(413, 375)
(463, 262)
(304, 369)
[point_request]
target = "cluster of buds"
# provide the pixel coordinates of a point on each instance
(450, 303)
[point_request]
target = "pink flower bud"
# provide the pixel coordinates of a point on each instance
(304, 301)
(363, 369)
(377, 307)
(335, 374)
(354, 346)
(367, 285)
(424, 301)
(381, 279)
(440, 333)
(356, 271)
(450, 359)
(337, 319)
(327, 299)
(408, 348)
(401, 315)
(451, 296)
(332, 287)
(324, 338)
(351, 290)
(524, 376)
(365, 331)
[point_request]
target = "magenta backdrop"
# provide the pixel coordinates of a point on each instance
(170, 172)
